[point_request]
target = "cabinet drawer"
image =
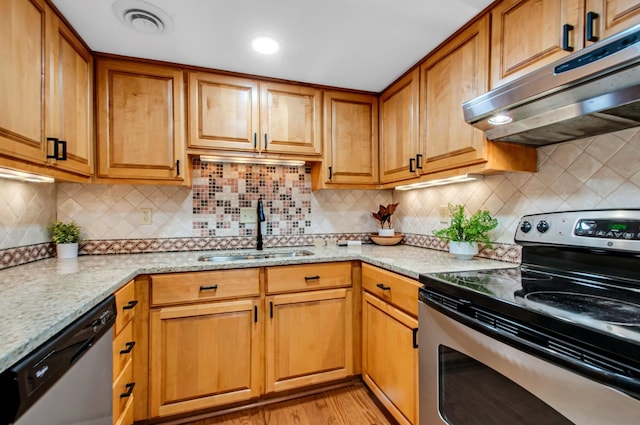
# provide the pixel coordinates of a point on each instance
(391, 287)
(308, 277)
(126, 306)
(126, 417)
(122, 390)
(177, 288)
(122, 349)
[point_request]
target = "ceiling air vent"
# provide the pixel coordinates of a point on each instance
(142, 16)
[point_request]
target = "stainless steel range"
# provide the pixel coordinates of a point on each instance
(554, 341)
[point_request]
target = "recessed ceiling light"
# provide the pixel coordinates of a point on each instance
(265, 45)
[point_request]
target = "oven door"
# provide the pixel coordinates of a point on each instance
(469, 378)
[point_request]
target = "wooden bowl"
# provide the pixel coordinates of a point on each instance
(386, 240)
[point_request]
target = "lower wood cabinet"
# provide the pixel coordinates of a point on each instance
(389, 341)
(203, 355)
(309, 338)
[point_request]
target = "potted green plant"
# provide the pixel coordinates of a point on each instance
(384, 217)
(464, 233)
(66, 237)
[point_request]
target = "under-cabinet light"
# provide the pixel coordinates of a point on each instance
(11, 174)
(500, 119)
(252, 160)
(439, 182)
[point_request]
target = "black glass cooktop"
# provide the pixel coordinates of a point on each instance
(599, 304)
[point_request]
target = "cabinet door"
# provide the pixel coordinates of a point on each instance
(140, 110)
(22, 88)
(203, 355)
(527, 34)
(351, 138)
(309, 338)
(399, 129)
(613, 16)
(390, 358)
(223, 112)
(70, 106)
(455, 74)
(290, 118)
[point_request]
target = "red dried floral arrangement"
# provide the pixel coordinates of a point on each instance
(384, 214)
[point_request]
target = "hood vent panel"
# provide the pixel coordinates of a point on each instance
(593, 91)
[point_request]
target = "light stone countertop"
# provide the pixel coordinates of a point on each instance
(39, 299)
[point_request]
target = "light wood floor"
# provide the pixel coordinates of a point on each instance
(345, 406)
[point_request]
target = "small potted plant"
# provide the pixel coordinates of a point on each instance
(66, 237)
(463, 234)
(384, 217)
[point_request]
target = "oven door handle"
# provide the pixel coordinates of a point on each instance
(537, 343)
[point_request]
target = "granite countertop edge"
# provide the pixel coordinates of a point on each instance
(39, 299)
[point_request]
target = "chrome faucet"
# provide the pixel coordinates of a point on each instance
(261, 219)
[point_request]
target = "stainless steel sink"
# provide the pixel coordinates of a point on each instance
(255, 256)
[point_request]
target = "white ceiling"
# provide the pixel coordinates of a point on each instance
(357, 44)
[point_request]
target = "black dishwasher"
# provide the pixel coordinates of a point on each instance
(68, 379)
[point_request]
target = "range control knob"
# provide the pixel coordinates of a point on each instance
(525, 227)
(542, 226)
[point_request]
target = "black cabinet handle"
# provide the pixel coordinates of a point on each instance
(271, 309)
(384, 288)
(566, 28)
(129, 387)
(129, 345)
(59, 149)
(415, 337)
(255, 140)
(419, 161)
(178, 167)
(207, 288)
(130, 305)
(255, 314)
(330, 173)
(265, 140)
(591, 17)
(308, 278)
(412, 165)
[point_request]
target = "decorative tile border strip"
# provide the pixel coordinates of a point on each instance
(26, 254)
(501, 252)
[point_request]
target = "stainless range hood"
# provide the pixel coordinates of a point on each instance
(593, 91)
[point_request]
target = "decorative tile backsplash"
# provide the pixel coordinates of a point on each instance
(599, 172)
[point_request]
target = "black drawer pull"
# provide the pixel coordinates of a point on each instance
(129, 345)
(412, 165)
(415, 337)
(206, 288)
(130, 305)
(591, 17)
(129, 387)
(255, 314)
(308, 278)
(384, 288)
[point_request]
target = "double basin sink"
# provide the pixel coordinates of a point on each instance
(254, 256)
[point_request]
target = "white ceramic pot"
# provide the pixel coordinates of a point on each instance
(386, 232)
(463, 250)
(67, 250)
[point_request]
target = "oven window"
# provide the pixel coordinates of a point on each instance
(471, 393)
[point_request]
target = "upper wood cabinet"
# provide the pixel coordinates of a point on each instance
(46, 85)
(613, 16)
(456, 73)
(141, 126)
(350, 138)
(22, 89)
(70, 106)
(239, 114)
(528, 34)
(399, 140)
